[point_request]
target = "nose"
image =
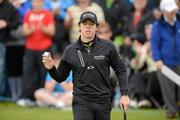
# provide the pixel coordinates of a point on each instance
(88, 26)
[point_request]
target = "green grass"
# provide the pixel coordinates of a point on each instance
(9, 111)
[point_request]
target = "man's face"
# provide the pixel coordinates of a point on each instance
(104, 33)
(169, 15)
(140, 4)
(88, 29)
(37, 4)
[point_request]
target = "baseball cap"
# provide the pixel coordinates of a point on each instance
(168, 5)
(88, 16)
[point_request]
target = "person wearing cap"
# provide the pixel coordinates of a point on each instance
(165, 41)
(90, 59)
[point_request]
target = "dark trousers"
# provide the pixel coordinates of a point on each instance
(144, 85)
(85, 110)
(170, 91)
(33, 73)
(2, 69)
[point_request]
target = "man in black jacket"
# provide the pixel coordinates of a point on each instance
(90, 59)
(8, 21)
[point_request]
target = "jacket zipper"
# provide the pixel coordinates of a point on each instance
(81, 58)
(89, 51)
(174, 38)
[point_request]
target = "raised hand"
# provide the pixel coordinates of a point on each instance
(47, 60)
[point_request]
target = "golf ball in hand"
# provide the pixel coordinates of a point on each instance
(45, 54)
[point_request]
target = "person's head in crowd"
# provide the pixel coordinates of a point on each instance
(140, 4)
(178, 3)
(169, 9)
(104, 31)
(137, 37)
(88, 24)
(1, 1)
(157, 14)
(37, 4)
(17, 3)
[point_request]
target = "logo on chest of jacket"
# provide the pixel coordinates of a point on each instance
(100, 57)
(90, 67)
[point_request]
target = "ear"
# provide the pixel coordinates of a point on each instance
(96, 28)
(79, 25)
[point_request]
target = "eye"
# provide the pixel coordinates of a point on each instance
(85, 23)
(91, 23)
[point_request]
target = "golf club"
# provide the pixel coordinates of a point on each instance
(124, 112)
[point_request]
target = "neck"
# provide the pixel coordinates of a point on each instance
(138, 12)
(170, 20)
(86, 40)
(37, 10)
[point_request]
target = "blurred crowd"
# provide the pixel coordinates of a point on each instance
(28, 28)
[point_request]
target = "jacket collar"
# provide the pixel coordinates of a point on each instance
(79, 44)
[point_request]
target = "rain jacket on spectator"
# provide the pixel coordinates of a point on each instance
(162, 33)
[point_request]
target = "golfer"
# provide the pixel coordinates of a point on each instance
(90, 59)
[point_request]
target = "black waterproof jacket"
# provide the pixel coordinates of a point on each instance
(91, 70)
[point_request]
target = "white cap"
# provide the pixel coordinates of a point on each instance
(168, 5)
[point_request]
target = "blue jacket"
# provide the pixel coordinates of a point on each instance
(165, 42)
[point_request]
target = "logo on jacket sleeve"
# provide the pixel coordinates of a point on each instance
(100, 57)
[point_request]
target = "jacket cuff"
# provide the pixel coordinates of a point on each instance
(52, 70)
(125, 93)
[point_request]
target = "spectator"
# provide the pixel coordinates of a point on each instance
(8, 21)
(55, 94)
(165, 43)
(143, 82)
(134, 28)
(136, 21)
(116, 13)
(58, 95)
(59, 10)
(38, 28)
(46, 4)
(104, 31)
(74, 13)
